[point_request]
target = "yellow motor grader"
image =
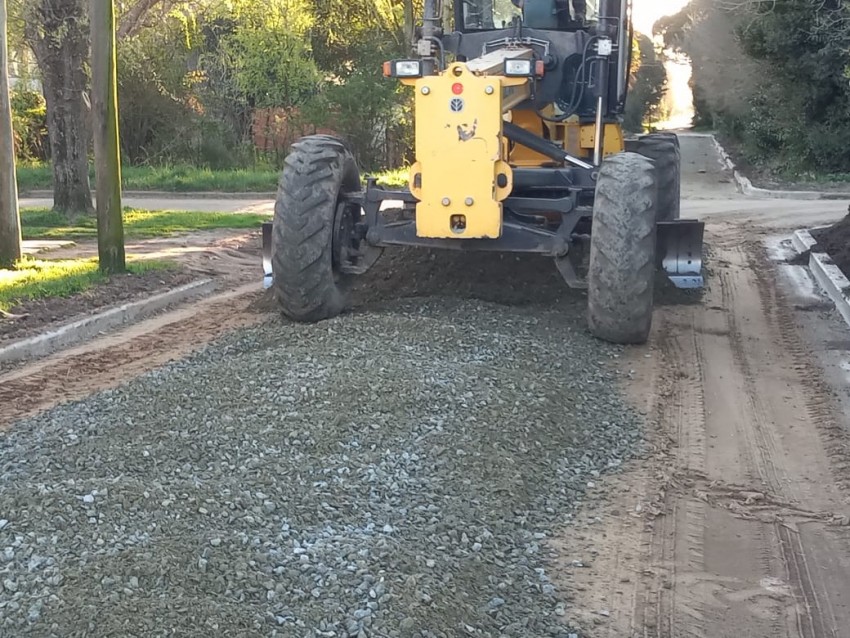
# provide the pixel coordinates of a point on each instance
(519, 148)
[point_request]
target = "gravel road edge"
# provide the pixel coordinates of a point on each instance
(83, 329)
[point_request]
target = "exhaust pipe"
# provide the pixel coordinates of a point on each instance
(431, 30)
(608, 17)
(267, 254)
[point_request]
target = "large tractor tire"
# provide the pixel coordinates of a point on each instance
(622, 250)
(308, 284)
(663, 149)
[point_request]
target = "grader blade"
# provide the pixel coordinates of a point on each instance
(680, 251)
(267, 254)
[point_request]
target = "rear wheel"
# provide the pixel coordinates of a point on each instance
(663, 149)
(311, 220)
(622, 250)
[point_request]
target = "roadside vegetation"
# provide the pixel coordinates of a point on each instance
(261, 178)
(43, 223)
(183, 178)
(773, 80)
(32, 279)
(212, 94)
(645, 104)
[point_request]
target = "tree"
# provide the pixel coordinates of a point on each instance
(10, 226)
(648, 86)
(110, 227)
(56, 31)
(772, 76)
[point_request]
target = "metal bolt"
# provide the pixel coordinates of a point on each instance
(469, 201)
(488, 90)
(446, 201)
(425, 90)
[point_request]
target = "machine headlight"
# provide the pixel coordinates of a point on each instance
(403, 69)
(518, 68)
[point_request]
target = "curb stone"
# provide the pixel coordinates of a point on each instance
(802, 240)
(745, 186)
(826, 273)
(88, 327)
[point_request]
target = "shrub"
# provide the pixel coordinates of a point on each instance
(29, 121)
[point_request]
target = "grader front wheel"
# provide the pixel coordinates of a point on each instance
(309, 216)
(622, 250)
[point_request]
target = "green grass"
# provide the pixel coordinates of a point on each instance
(167, 178)
(187, 179)
(38, 279)
(396, 178)
(42, 223)
(34, 176)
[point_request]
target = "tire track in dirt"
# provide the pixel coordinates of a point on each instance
(818, 615)
(762, 449)
(118, 357)
(678, 612)
(749, 467)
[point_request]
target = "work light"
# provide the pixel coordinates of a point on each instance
(518, 68)
(403, 69)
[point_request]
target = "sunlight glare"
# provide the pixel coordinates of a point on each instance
(646, 12)
(679, 95)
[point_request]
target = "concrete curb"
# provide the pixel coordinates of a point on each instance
(34, 247)
(802, 240)
(47, 194)
(83, 329)
(745, 186)
(829, 276)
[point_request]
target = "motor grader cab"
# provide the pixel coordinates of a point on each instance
(519, 148)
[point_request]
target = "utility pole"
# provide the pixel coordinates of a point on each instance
(10, 222)
(107, 158)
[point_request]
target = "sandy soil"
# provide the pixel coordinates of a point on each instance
(736, 523)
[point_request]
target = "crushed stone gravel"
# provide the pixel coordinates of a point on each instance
(391, 473)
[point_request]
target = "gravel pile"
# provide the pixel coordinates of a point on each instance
(395, 473)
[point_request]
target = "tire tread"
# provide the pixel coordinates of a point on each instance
(622, 250)
(316, 170)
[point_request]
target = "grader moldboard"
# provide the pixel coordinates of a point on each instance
(519, 148)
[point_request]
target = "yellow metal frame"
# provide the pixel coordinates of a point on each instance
(462, 172)
(459, 153)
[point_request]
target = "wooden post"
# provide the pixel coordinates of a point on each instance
(10, 223)
(107, 158)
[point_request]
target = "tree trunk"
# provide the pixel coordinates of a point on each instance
(133, 20)
(57, 33)
(10, 224)
(107, 159)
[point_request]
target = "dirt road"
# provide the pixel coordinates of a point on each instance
(737, 523)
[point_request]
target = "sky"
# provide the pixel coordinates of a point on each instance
(646, 12)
